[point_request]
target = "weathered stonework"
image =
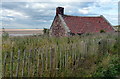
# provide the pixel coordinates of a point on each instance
(57, 29)
(67, 25)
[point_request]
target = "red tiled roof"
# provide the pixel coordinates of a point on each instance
(80, 24)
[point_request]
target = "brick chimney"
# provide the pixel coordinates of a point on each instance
(60, 10)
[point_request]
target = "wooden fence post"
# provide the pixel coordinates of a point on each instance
(86, 49)
(24, 58)
(60, 59)
(65, 57)
(26, 62)
(29, 63)
(11, 65)
(42, 60)
(33, 62)
(63, 60)
(51, 61)
(73, 58)
(38, 63)
(46, 58)
(4, 70)
(56, 59)
(18, 63)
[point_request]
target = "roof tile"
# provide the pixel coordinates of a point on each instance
(80, 24)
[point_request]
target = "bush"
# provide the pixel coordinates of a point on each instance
(109, 69)
(5, 35)
(77, 56)
(46, 31)
(102, 31)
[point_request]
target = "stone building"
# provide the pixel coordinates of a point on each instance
(65, 25)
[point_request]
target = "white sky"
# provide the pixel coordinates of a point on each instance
(40, 13)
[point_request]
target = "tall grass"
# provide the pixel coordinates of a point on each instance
(94, 55)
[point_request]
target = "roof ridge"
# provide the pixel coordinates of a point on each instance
(81, 16)
(64, 24)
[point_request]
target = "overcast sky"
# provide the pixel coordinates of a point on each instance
(40, 14)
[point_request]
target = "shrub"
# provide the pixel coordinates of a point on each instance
(102, 31)
(46, 31)
(5, 35)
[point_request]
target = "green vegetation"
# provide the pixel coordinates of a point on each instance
(117, 28)
(94, 55)
(5, 35)
(46, 31)
(102, 31)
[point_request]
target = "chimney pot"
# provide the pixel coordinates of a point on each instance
(60, 10)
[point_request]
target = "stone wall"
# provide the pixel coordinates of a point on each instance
(57, 28)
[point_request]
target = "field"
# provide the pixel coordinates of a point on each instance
(88, 55)
(18, 32)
